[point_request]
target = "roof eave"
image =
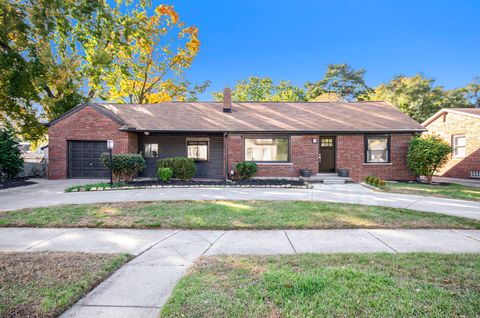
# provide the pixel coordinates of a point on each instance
(99, 108)
(444, 111)
(385, 131)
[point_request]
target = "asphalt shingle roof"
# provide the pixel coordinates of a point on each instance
(263, 117)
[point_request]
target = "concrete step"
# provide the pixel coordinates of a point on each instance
(334, 181)
(331, 179)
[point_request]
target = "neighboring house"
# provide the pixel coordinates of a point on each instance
(460, 127)
(367, 138)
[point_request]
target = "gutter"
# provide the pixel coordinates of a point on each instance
(289, 132)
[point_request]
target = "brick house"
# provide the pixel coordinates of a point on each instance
(367, 138)
(460, 127)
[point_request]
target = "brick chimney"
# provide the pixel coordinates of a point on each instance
(227, 100)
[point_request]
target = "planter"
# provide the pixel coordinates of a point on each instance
(305, 173)
(343, 173)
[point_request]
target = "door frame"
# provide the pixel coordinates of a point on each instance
(334, 138)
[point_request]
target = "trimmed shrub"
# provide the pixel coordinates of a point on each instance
(246, 170)
(164, 174)
(182, 168)
(124, 166)
(11, 161)
(426, 155)
(374, 181)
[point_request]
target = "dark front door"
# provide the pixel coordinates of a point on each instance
(84, 159)
(326, 156)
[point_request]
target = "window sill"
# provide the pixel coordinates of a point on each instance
(273, 163)
(377, 163)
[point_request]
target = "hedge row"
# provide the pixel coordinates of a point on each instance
(374, 181)
(181, 168)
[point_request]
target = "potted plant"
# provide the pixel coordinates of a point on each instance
(305, 173)
(343, 173)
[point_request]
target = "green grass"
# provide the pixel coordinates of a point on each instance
(232, 215)
(341, 285)
(46, 284)
(452, 191)
(88, 187)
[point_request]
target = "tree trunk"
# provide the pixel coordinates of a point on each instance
(429, 179)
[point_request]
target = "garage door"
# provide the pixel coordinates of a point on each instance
(84, 159)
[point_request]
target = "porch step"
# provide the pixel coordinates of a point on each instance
(334, 181)
(327, 178)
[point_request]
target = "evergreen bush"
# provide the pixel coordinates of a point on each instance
(11, 161)
(124, 166)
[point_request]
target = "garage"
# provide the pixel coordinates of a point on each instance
(84, 159)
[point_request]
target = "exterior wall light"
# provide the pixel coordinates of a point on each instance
(147, 133)
(314, 140)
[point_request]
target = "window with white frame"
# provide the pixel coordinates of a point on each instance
(459, 143)
(151, 150)
(271, 149)
(377, 149)
(197, 150)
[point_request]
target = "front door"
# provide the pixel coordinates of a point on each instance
(326, 155)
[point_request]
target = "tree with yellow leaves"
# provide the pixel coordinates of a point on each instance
(151, 55)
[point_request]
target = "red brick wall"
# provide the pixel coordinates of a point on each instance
(303, 155)
(350, 155)
(85, 124)
(455, 124)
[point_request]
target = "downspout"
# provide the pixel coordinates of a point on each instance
(225, 134)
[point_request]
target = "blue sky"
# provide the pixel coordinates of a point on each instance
(295, 40)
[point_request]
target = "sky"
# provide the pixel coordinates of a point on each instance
(296, 40)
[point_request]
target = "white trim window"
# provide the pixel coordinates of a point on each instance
(459, 146)
(197, 149)
(266, 149)
(151, 150)
(377, 149)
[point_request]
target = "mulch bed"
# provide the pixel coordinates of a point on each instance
(151, 184)
(18, 182)
(261, 183)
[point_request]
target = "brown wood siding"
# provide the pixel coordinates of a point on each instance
(176, 146)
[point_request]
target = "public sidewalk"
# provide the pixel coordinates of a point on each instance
(51, 192)
(142, 286)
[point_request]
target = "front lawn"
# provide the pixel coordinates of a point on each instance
(232, 215)
(341, 285)
(452, 191)
(46, 284)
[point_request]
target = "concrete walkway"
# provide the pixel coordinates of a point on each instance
(142, 286)
(51, 192)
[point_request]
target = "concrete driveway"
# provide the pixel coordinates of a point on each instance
(142, 286)
(51, 192)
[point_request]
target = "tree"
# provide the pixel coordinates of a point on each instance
(156, 49)
(473, 92)
(328, 97)
(419, 98)
(426, 155)
(185, 92)
(11, 161)
(258, 89)
(416, 96)
(456, 98)
(57, 54)
(40, 59)
(341, 80)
